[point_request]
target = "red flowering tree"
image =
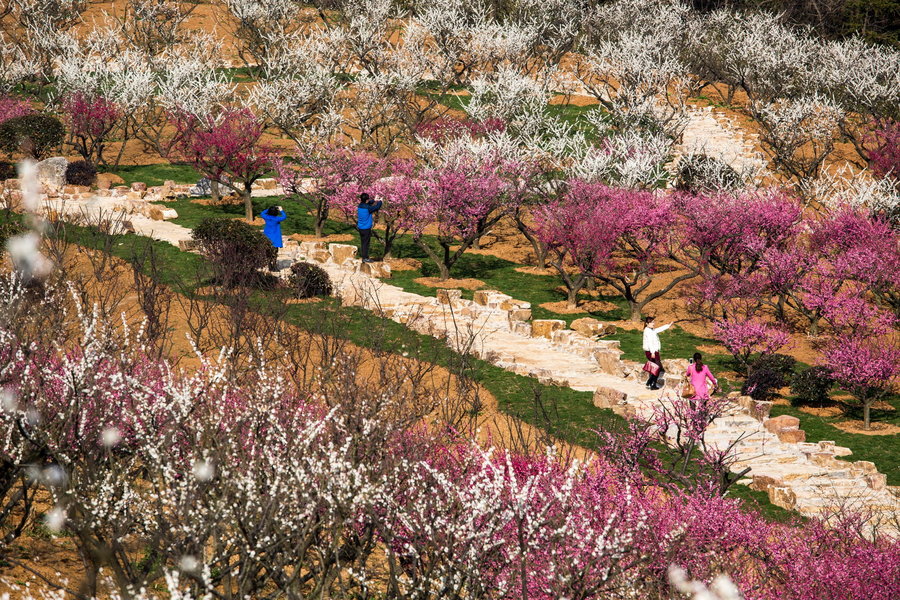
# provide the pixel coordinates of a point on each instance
(91, 121)
(885, 158)
(619, 236)
(227, 149)
(866, 366)
(444, 129)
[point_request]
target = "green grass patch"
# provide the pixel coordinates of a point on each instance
(157, 174)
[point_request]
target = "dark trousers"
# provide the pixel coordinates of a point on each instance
(365, 236)
(654, 357)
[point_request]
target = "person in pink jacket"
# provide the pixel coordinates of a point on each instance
(699, 374)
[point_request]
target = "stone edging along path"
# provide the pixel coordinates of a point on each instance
(796, 475)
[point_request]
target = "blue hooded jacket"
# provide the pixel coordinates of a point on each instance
(272, 229)
(364, 214)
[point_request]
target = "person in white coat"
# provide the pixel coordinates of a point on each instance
(651, 351)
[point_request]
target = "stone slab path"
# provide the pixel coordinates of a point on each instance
(796, 475)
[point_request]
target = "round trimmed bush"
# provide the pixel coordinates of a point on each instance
(236, 249)
(81, 172)
(763, 384)
(308, 280)
(811, 386)
(34, 135)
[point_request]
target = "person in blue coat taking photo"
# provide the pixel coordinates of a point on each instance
(273, 216)
(364, 221)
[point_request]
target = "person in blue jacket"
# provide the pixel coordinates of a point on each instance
(273, 216)
(364, 221)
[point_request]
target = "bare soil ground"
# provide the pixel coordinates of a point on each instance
(583, 306)
(451, 283)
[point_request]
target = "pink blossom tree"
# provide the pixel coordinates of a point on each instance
(462, 201)
(91, 122)
(227, 149)
(618, 236)
(400, 193)
(328, 178)
(884, 159)
(744, 337)
(861, 248)
(725, 237)
(866, 366)
(394, 182)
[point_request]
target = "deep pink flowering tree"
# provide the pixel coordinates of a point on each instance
(444, 129)
(866, 366)
(884, 159)
(725, 237)
(744, 337)
(11, 108)
(91, 122)
(227, 149)
(861, 248)
(618, 236)
(461, 203)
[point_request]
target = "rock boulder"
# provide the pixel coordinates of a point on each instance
(591, 327)
(546, 327)
(52, 173)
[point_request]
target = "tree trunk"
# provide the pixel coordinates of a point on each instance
(572, 298)
(636, 310)
(444, 271)
(248, 203)
(321, 216)
(867, 414)
(214, 190)
(443, 265)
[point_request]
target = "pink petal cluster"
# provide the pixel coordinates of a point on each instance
(11, 108)
(744, 337)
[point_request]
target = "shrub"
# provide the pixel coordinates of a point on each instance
(237, 250)
(768, 374)
(699, 173)
(7, 171)
(782, 363)
(811, 386)
(763, 383)
(81, 172)
(308, 280)
(34, 135)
